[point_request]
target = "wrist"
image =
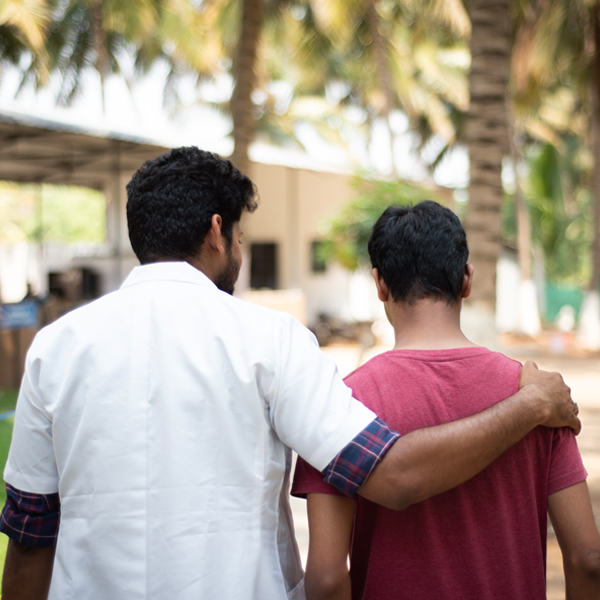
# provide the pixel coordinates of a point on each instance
(537, 409)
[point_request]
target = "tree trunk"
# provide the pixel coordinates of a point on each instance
(595, 279)
(244, 70)
(382, 70)
(588, 330)
(486, 136)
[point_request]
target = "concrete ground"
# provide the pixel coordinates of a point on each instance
(582, 374)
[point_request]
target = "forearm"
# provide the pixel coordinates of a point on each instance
(27, 572)
(582, 583)
(330, 520)
(572, 517)
(429, 461)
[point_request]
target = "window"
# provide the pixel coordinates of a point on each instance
(318, 262)
(263, 266)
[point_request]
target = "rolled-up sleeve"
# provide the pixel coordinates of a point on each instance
(351, 467)
(31, 519)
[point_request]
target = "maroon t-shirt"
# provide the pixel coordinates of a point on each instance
(484, 540)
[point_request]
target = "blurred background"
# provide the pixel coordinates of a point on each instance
(335, 109)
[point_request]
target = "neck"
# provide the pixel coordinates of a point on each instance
(427, 325)
(202, 264)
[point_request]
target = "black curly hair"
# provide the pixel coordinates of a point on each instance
(171, 200)
(420, 252)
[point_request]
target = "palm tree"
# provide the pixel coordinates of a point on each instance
(96, 34)
(385, 56)
(244, 72)
(23, 31)
(488, 144)
(375, 57)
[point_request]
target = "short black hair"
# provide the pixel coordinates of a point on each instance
(420, 252)
(172, 199)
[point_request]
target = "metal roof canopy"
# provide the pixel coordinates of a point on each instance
(35, 150)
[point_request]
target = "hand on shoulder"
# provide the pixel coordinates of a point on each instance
(548, 392)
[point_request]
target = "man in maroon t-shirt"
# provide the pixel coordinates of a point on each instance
(486, 539)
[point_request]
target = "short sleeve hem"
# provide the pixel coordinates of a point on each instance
(353, 465)
(307, 480)
(30, 483)
(567, 481)
(566, 466)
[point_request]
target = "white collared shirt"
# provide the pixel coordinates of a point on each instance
(163, 414)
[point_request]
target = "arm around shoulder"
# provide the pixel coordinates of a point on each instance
(430, 461)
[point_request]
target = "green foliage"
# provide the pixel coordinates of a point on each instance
(556, 189)
(560, 203)
(72, 215)
(51, 213)
(348, 231)
(552, 76)
(8, 400)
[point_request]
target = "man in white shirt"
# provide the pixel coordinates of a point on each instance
(156, 423)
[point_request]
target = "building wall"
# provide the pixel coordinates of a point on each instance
(292, 205)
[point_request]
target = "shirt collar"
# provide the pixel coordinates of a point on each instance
(167, 271)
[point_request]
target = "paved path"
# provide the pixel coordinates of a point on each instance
(581, 374)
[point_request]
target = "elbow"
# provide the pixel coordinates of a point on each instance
(395, 491)
(585, 565)
(321, 584)
(407, 491)
(408, 498)
(398, 482)
(399, 497)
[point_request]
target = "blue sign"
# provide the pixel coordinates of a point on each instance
(24, 315)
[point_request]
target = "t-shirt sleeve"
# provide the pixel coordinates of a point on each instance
(31, 465)
(307, 480)
(310, 408)
(566, 466)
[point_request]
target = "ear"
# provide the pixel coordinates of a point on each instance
(383, 292)
(214, 237)
(467, 280)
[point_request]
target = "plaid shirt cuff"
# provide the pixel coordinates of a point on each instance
(351, 467)
(30, 519)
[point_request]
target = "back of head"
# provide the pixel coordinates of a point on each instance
(171, 201)
(420, 251)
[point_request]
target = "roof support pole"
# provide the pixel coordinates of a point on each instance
(117, 212)
(294, 230)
